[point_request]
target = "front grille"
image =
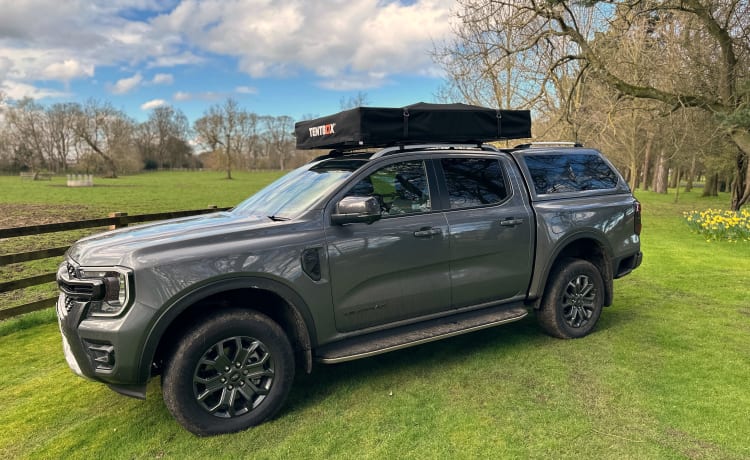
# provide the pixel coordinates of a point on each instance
(80, 290)
(76, 289)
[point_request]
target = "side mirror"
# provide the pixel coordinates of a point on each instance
(353, 209)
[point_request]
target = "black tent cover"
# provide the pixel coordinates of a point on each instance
(418, 123)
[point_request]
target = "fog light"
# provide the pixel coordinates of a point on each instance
(102, 355)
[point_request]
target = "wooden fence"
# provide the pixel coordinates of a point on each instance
(116, 220)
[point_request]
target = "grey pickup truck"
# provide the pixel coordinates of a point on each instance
(354, 254)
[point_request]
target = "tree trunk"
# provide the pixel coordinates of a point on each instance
(660, 176)
(712, 185)
(674, 178)
(633, 179)
(691, 176)
(677, 188)
(107, 159)
(741, 182)
(647, 161)
(228, 152)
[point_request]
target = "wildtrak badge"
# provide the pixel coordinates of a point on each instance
(322, 130)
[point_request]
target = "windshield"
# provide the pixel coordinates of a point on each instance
(295, 192)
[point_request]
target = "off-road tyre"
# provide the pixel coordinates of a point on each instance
(229, 373)
(572, 302)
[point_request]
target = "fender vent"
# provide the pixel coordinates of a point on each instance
(311, 263)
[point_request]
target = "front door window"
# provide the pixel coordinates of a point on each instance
(400, 188)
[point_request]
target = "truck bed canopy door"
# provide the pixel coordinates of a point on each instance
(364, 127)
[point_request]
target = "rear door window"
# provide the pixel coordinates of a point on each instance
(474, 182)
(569, 173)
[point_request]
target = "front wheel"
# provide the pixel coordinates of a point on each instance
(572, 304)
(229, 373)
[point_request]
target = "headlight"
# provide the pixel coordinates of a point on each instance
(116, 283)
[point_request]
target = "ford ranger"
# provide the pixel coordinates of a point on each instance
(357, 253)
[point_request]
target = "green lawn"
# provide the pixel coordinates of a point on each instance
(139, 194)
(664, 375)
(24, 202)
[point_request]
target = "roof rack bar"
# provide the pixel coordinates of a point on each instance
(437, 145)
(549, 144)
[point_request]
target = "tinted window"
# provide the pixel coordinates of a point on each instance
(474, 181)
(401, 188)
(569, 173)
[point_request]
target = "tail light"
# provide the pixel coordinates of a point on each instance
(637, 217)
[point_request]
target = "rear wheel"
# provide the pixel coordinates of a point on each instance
(572, 304)
(229, 373)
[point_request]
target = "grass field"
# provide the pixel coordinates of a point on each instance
(664, 375)
(24, 202)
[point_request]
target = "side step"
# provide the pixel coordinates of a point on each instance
(415, 334)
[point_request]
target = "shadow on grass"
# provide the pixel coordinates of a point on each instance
(325, 380)
(310, 389)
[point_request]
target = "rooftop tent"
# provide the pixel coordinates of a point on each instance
(418, 123)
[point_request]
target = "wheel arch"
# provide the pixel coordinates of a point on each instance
(272, 298)
(587, 246)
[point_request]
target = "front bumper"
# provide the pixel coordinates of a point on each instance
(100, 349)
(67, 351)
(68, 317)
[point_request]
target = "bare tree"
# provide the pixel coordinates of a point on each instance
(43, 137)
(105, 131)
(162, 139)
(26, 127)
(279, 133)
(226, 128)
(710, 38)
(358, 100)
(60, 131)
(6, 144)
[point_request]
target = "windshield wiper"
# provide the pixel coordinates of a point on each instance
(277, 218)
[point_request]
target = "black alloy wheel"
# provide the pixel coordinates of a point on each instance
(228, 373)
(572, 302)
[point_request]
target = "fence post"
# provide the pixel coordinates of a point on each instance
(122, 223)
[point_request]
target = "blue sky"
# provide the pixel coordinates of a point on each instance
(276, 57)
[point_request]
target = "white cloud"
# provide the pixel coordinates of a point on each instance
(5, 66)
(346, 44)
(182, 96)
(207, 96)
(246, 90)
(353, 38)
(16, 90)
(163, 79)
(354, 82)
(67, 70)
(172, 60)
(64, 40)
(152, 104)
(126, 85)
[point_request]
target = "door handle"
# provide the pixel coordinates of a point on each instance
(427, 232)
(511, 222)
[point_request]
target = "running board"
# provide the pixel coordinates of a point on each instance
(415, 334)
